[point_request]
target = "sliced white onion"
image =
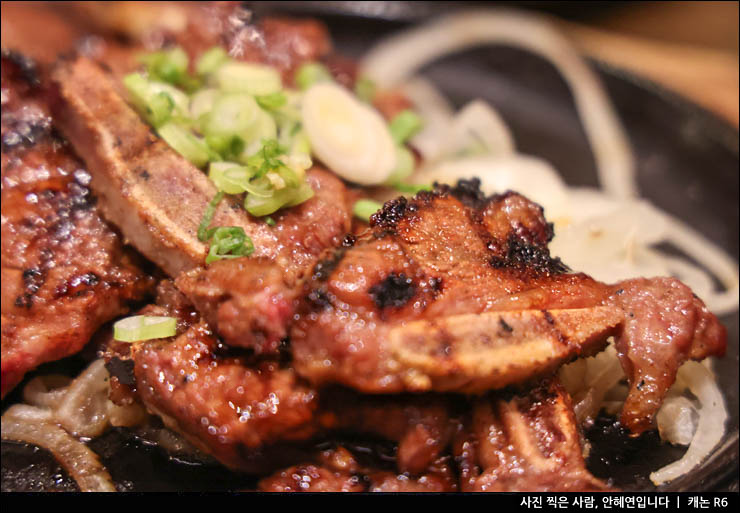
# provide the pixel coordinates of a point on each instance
(349, 136)
(508, 172)
(46, 391)
(677, 420)
(20, 423)
(84, 409)
(400, 57)
(714, 258)
(711, 426)
(436, 112)
(477, 128)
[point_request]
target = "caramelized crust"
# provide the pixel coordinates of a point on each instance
(65, 272)
(453, 291)
(528, 442)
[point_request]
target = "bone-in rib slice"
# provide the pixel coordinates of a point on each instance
(157, 199)
(153, 194)
(473, 353)
(528, 442)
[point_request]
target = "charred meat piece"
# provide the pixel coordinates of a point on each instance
(337, 470)
(664, 325)
(250, 302)
(244, 411)
(452, 291)
(65, 272)
(528, 442)
(157, 199)
(413, 305)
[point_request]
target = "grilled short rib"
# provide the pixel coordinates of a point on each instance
(65, 272)
(524, 442)
(157, 199)
(452, 291)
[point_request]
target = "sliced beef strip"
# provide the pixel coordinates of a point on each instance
(523, 443)
(452, 291)
(65, 272)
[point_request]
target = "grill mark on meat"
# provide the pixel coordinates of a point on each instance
(393, 292)
(325, 266)
(28, 70)
(122, 370)
(528, 258)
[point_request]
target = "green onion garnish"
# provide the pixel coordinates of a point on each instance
(236, 120)
(208, 216)
(144, 327)
(311, 73)
(228, 242)
(365, 89)
(409, 188)
(405, 124)
(168, 65)
(404, 166)
(270, 221)
(250, 78)
(185, 143)
(364, 208)
(272, 101)
(211, 60)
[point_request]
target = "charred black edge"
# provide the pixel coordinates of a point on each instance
(123, 369)
(393, 292)
(27, 67)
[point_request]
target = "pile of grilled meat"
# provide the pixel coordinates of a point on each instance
(439, 327)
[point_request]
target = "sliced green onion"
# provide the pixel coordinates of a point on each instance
(264, 128)
(272, 101)
(311, 73)
(269, 221)
(405, 124)
(232, 115)
(228, 242)
(410, 188)
(364, 208)
(404, 166)
(300, 145)
(303, 193)
(208, 216)
(365, 89)
(211, 60)
(185, 143)
(144, 327)
(168, 65)
(156, 108)
(250, 78)
(287, 197)
(230, 183)
(227, 146)
(201, 103)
